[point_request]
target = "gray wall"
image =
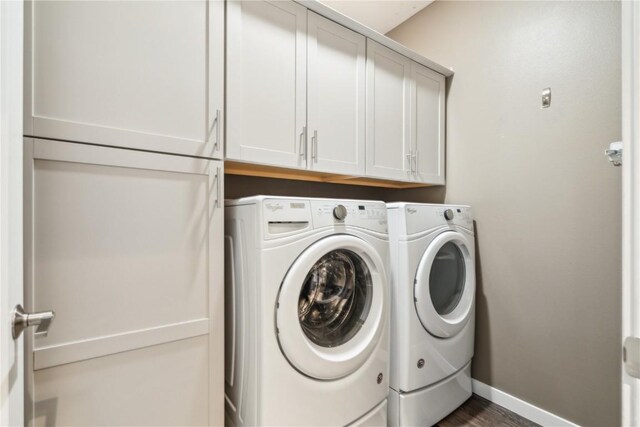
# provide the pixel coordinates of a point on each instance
(547, 203)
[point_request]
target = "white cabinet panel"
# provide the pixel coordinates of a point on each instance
(136, 74)
(428, 124)
(164, 385)
(388, 108)
(126, 247)
(266, 82)
(336, 97)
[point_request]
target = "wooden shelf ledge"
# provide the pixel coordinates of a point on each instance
(250, 169)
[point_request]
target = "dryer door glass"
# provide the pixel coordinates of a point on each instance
(335, 298)
(447, 278)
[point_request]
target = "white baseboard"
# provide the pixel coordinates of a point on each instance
(519, 406)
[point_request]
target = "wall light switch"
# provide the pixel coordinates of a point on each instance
(546, 97)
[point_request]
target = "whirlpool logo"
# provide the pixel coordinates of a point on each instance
(412, 210)
(274, 206)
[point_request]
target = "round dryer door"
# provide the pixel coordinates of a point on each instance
(331, 307)
(445, 285)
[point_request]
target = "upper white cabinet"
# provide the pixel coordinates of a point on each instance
(139, 74)
(388, 148)
(405, 118)
(427, 124)
(295, 89)
(336, 97)
(266, 82)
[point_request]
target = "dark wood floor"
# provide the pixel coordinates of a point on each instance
(479, 412)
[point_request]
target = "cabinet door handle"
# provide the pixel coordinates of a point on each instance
(314, 146)
(416, 160)
(303, 142)
(218, 191)
(410, 160)
(216, 147)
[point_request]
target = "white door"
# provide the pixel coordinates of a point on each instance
(388, 108)
(331, 305)
(266, 82)
(631, 214)
(11, 351)
(136, 74)
(427, 124)
(444, 287)
(336, 97)
(126, 248)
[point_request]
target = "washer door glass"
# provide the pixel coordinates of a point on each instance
(332, 307)
(335, 298)
(447, 278)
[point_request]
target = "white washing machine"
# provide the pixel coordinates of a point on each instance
(432, 252)
(307, 307)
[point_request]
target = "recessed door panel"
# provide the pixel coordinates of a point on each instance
(164, 385)
(388, 106)
(428, 133)
(108, 236)
(266, 82)
(336, 101)
(136, 74)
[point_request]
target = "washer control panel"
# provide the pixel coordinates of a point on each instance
(288, 216)
(369, 215)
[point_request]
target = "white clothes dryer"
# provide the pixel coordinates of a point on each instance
(432, 252)
(307, 307)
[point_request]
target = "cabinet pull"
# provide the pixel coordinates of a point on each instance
(216, 146)
(416, 160)
(218, 187)
(314, 146)
(410, 160)
(303, 142)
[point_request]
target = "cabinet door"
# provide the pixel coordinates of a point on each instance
(388, 107)
(126, 247)
(428, 124)
(266, 82)
(137, 74)
(336, 97)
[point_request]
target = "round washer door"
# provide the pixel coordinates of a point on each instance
(445, 285)
(331, 306)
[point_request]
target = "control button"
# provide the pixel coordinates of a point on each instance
(448, 214)
(340, 212)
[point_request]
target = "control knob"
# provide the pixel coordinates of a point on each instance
(340, 212)
(448, 214)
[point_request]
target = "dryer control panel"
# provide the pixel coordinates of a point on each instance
(420, 218)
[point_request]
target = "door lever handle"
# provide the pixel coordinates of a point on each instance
(20, 320)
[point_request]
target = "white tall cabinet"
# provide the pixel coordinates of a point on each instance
(126, 248)
(138, 74)
(125, 245)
